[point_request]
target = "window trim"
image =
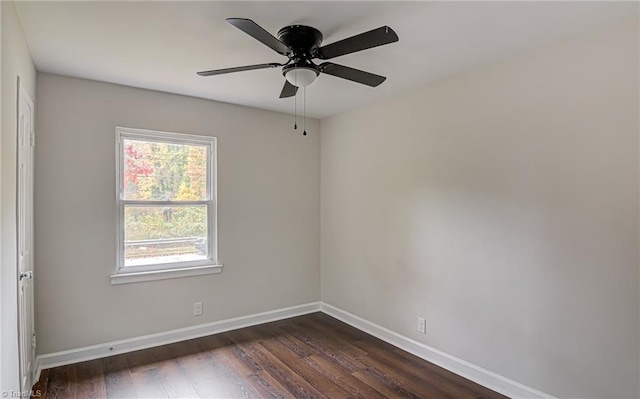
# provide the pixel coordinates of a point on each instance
(126, 274)
(125, 278)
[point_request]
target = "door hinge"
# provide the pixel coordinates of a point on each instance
(33, 341)
(33, 139)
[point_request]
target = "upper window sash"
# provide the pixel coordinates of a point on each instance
(165, 137)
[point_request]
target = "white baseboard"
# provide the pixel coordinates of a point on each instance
(461, 367)
(168, 337)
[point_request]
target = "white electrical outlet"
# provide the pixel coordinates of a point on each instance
(422, 325)
(197, 308)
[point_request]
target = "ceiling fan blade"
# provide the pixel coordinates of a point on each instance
(355, 75)
(238, 69)
(288, 90)
(373, 38)
(257, 32)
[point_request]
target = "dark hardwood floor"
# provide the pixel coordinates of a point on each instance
(312, 356)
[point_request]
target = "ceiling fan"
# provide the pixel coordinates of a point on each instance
(301, 44)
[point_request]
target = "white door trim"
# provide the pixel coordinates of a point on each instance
(24, 240)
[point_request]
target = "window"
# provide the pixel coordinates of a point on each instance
(166, 205)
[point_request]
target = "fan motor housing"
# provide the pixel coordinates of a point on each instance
(302, 39)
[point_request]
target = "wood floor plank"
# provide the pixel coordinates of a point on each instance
(40, 387)
(272, 365)
(422, 386)
(311, 356)
(268, 387)
(279, 333)
(379, 358)
(195, 366)
(317, 380)
(355, 387)
(329, 337)
(426, 367)
(385, 384)
(310, 338)
(150, 383)
(160, 378)
(62, 382)
(350, 333)
(235, 355)
(117, 377)
(212, 373)
(90, 380)
(334, 328)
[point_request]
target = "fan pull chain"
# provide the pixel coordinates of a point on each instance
(295, 112)
(295, 101)
(304, 133)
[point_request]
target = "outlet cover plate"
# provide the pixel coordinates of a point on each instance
(197, 308)
(422, 325)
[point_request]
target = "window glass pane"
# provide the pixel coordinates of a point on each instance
(155, 171)
(159, 234)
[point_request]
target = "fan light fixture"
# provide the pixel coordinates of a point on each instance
(301, 76)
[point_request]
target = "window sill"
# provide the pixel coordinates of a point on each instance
(126, 278)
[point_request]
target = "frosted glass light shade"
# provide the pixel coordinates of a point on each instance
(301, 77)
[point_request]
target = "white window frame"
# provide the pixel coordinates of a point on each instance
(128, 274)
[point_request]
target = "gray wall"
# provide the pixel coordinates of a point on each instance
(268, 215)
(16, 61)
(502, 205)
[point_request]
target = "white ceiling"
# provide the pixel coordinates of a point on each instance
(161, 45)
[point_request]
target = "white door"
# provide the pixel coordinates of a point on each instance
(25, 238)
